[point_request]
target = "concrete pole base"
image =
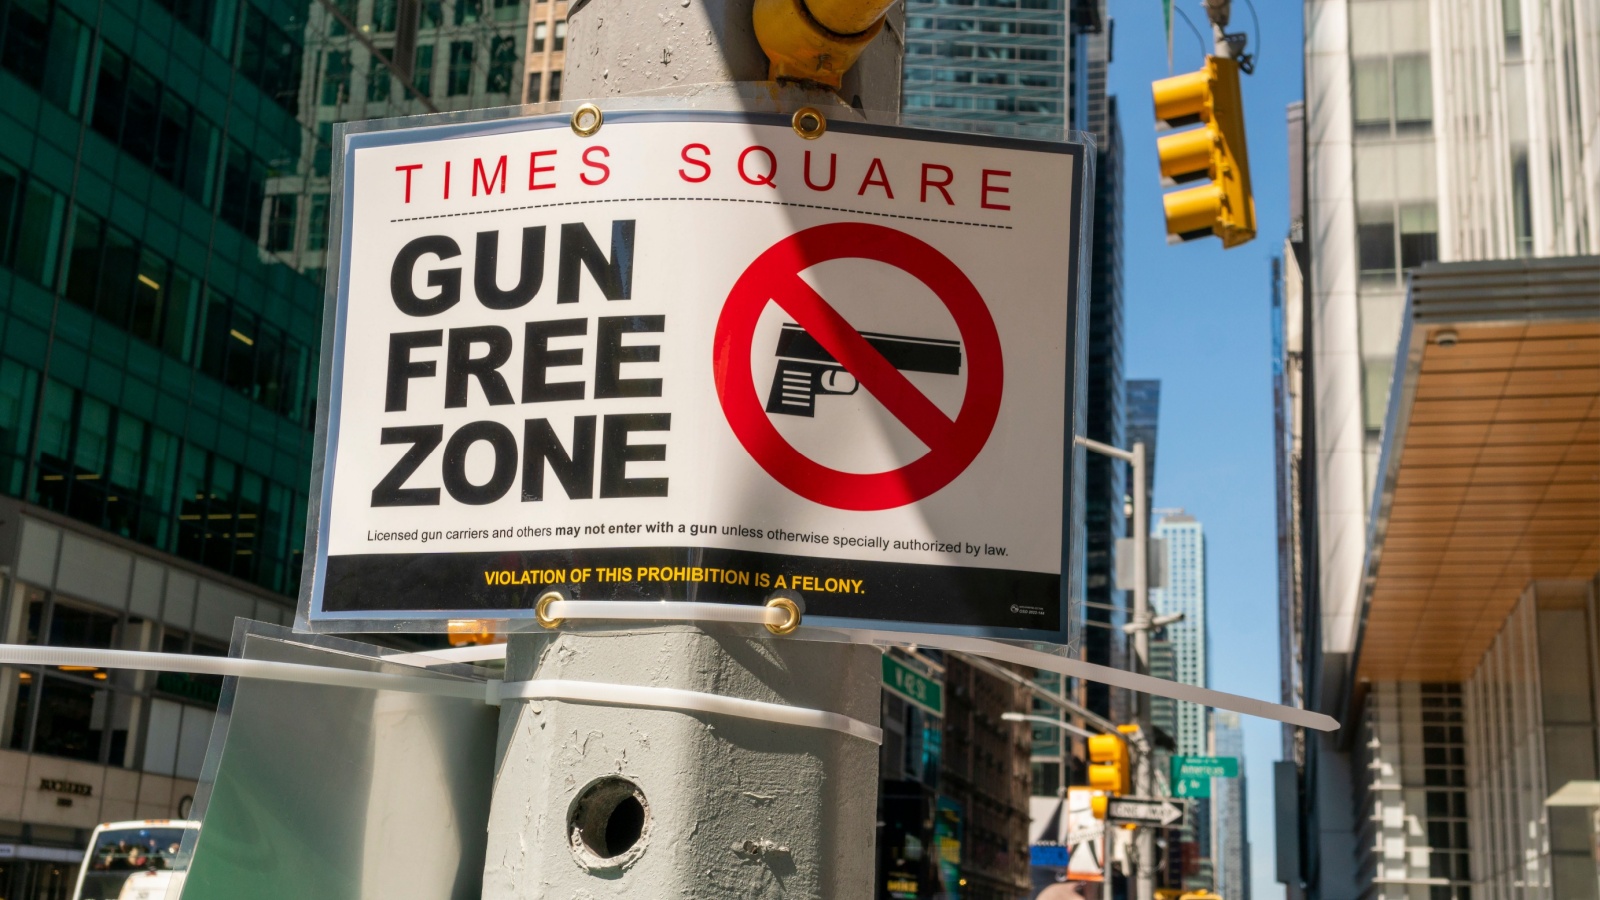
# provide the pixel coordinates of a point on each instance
(597, 801)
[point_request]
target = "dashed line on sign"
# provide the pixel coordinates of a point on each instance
(861, 212)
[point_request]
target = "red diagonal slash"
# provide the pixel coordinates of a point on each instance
(889, 385)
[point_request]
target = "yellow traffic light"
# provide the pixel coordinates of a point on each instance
(1215, 151)
(1108, 763)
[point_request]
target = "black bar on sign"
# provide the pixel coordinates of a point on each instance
(908, 354)
(889, 591)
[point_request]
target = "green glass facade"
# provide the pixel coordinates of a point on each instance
(157, 367)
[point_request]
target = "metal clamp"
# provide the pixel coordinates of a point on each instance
(809, 123)
(587, 119)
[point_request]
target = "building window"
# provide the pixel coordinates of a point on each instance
(502, 62)
(1370, 86)
(423, 77)
(1392, 93)
(1375, 242)
(270, 57)
(244, 190)
(335, 78)
(535, 84)
(1419, 234)
(1521, 201)
(561, 35)
(280, 224)
(507, 10)
(555, 85)
(384, 14)
(1413, 91)
(322, 150)
(377, 81)
(467, 11)
(459, 83)
(31, 220)
(541, 33)
(48, 49)
(317, 223)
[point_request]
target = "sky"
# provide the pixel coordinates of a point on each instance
(1198, 318)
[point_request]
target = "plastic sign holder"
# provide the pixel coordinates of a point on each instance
(631, 351)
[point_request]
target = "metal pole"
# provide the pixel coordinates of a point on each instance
(1145, 838)
(593, 800)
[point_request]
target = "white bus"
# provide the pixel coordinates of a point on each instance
(133, 860)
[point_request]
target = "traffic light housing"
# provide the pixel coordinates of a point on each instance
(1215, 151)
(1108, 764)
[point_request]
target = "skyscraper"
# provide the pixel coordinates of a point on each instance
(1144, 419)
(1001, 64)
(1105, 480)
(1443, 170)
(1185, 592)
(1230, 823)
(370, 59)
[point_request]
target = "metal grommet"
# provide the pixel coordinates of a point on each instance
(789, 606)
(586, 119)
(541, 610)
(809, 123)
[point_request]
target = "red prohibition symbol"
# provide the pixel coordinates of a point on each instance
(775, 277)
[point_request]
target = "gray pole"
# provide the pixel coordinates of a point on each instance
(1145, 838)
(1142, 745)
(598, 801)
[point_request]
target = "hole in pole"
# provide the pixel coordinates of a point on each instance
(609, 818)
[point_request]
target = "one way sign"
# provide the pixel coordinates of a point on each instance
(1161, 812)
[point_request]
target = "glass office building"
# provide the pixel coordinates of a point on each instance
(163, 212)
(156, 372)
(1001, 62)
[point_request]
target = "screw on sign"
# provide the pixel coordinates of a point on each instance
(870, 360)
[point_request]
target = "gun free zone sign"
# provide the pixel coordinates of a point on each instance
(697, 356)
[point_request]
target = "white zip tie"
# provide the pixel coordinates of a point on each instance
(490, 692)
(1148, 684)
(648, 610)
(667, 611)
(29, 655)
(635, 610)
(468, 654)
(687, 701)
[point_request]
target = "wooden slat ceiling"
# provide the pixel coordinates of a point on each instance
(1499, 484)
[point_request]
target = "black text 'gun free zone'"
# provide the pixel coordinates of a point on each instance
(806, 370)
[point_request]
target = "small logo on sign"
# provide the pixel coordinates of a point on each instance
(1020, 609)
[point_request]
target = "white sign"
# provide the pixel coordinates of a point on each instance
(1148, 811)
(696, 356)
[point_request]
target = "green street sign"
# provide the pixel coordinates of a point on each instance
(1205, 767)
(1191, 775)
(913, 686)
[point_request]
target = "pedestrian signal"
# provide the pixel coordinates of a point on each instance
(1215, 152)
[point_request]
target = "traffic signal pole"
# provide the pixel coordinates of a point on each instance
(1144, 780)
(598, 800)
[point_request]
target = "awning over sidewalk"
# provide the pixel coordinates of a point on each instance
(1490, 471)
